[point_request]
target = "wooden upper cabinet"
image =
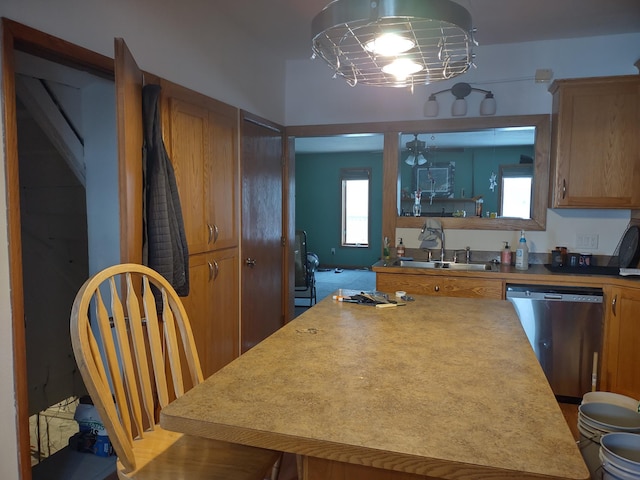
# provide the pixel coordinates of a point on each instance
(595, 146)
(201, 135)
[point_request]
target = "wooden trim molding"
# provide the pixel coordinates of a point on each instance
(16, 36)
(15, 251)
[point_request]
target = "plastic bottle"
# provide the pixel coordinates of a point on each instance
(522, 253)
(400, 249)
(505, 255)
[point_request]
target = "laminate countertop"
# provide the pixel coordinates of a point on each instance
(441, 387)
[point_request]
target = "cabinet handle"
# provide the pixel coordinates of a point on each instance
(564, 188)
(250, 262)
(210, 232)
(613, 304)
(436, 288)
(216, 269)
(210, 271)
(216, 233)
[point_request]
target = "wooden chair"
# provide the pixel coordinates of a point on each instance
(134, 361)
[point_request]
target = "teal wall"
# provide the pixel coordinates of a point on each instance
(473, 167)
(318, 197)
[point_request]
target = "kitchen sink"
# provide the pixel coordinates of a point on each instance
(484, 267)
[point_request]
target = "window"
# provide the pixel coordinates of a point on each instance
(355, 207)
(515, 190)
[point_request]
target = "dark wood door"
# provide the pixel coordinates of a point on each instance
(262, 230)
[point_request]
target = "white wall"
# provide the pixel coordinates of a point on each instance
(173, 41)
(102, 187)
(167, 39)
(314, 97)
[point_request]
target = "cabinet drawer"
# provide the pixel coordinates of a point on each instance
(439, 285)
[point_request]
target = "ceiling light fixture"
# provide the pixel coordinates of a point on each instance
(361, 40)
(417, 152)
(459, 107)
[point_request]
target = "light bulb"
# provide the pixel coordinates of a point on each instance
(431, 107)
(459, 107)
(488, 105)
(389, 44)
(401, 68)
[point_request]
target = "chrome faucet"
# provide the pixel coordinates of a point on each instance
(440, 234)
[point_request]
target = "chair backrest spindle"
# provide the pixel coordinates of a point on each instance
(125, 371)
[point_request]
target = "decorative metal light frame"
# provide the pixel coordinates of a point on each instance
(394, 43)
(461, 90)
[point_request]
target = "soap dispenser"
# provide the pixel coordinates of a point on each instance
(522, 253)
(505, 255)
(400, 249)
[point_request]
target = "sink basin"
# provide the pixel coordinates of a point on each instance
(448, 265)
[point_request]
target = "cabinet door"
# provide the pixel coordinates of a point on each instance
(595, 142)
(222, 172)
(622, 331)
(212, 306)
(439, 285)
(189, 140)
(201, 135)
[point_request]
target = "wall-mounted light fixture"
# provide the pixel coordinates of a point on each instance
(394, 43)
(417, 151)
(459, 107)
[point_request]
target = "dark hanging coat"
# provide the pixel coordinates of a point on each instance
(165, 240)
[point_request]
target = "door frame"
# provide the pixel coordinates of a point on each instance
(16, 36)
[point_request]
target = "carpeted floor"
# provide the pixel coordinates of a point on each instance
(328, 281)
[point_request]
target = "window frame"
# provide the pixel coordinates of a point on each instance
(524, 170)
(350, 174)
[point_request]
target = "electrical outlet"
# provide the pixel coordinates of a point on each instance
(333, 251)
(587, 241)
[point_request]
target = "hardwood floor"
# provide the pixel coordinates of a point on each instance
(570, 412)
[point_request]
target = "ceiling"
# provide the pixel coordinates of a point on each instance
(285, 25)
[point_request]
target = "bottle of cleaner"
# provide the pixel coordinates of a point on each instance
(400, 249)
(505, 255)
(522, 253)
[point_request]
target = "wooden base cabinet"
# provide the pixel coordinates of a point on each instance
(440, 285)
(621, 355)
(595, 146)
(212, 306)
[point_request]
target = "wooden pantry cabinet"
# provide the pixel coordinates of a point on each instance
(621, 355)
(440, 285)
(212, 306)
(201, 136)
(595, 146)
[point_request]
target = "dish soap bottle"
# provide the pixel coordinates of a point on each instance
(522, 253)
(505, 255)
(400, 249)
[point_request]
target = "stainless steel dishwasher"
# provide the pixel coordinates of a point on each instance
(565, 328)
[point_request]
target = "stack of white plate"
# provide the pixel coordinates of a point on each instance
(620, 456)
(602, 413)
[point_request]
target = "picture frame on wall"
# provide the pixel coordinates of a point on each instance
(436, 180)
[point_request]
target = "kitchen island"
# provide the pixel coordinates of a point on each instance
(438, 388)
